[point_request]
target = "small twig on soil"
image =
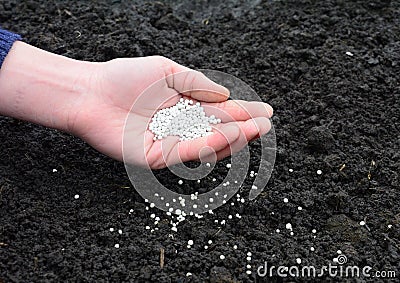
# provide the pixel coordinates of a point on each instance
(162, 258)
(35, 263)
(341, 170)
(29, 158)
(370, 168)
(67, 12)
(392, 241)
(216, 233)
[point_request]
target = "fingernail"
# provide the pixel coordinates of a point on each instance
(226, 91)
(270, 110)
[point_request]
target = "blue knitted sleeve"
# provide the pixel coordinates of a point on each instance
(7, 39)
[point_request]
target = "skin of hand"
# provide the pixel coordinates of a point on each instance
(94, 102)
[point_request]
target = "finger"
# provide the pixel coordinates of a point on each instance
(251, 129)
(195, 84)
(194, 149)
(238, 110)
(254, 128)
(227, 151)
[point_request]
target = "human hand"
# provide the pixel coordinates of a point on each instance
(94, 100)
(100, 115)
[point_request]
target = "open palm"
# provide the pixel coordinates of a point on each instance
(125, 93)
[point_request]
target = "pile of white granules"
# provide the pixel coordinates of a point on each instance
(184, 119)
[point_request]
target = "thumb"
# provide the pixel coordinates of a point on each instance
(195, 84)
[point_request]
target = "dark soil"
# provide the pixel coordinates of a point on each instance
(331, 109)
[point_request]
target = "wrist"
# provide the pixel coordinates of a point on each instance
(43, 88)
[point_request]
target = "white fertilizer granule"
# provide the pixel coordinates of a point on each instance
(184, 119)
